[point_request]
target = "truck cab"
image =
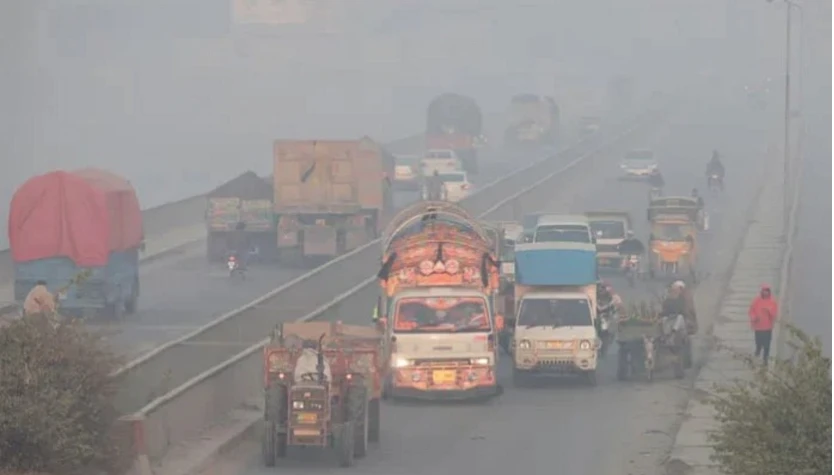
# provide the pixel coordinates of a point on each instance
(439, 280)
(555, 311)
(563, 228)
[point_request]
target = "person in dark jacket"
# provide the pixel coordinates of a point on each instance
(631, 246)
(238, 244)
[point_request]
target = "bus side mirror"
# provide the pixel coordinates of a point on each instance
(499, 322)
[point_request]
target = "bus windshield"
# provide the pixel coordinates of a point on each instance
(441, 315)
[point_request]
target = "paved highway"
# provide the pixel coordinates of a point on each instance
(615, 428)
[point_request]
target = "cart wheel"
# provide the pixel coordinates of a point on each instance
(687, 354)
(679, 371)
(622, 364)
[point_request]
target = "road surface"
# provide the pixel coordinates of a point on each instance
(622, 428)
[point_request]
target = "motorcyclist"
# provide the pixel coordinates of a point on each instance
(238, 244)
(607, 299)
(435, 191)
(679, 301)
(631, 246)
(715, 167)
(656, 179)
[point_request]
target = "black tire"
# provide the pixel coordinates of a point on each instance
(622, 364)
(130, 303)
(268, 445)
(591, 378)
(374, 420)
(275, 404)
(357, 410)
(116, 310)
(345, 443)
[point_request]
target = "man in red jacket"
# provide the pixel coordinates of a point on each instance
(763, 312)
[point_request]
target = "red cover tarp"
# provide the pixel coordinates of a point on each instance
(83, 215)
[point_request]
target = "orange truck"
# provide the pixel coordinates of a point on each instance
(439, 276)
(331, 196)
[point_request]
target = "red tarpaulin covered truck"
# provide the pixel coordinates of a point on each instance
(63, 222)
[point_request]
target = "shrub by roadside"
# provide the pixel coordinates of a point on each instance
(779, 423)
(56, 398)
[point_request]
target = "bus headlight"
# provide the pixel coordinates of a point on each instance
(584, 345)
(401, 363)
(524, 345)
(480, 362)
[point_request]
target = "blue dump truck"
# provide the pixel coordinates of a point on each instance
(555, 302)
(81, 233)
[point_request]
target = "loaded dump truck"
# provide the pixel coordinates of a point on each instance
(330, 196)
(555, 311)
(533, 120)
(246, 199)
(454, 122)
(439, 276)
(86, 222)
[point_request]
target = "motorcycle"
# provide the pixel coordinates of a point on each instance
(605, 316)
(631, 268)
(715, 182)
(235, 267)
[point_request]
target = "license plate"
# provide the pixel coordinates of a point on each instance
(444, 377)
(307, 417)
(558, 345)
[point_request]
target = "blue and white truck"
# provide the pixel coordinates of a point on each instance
(555, 311)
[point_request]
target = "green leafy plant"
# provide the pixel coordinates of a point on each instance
(779, 422)
(56, 411)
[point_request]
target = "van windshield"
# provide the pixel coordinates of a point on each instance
(554, 313)
(562, 233)
(441, 315)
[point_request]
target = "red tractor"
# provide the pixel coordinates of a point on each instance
(322, 388)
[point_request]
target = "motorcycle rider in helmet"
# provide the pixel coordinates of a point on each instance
(631, 246)
(238, 244)
(715, 167)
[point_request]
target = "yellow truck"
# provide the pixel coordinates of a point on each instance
(331, 196)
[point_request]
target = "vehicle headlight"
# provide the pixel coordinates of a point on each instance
(656, 251)
(298, 404)
(401, 363)
(524, 345)
(623, 166)
(480, 362)
(584, 345)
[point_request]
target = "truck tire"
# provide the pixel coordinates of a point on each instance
(130, 303)
(357, 412)
(275, 404)
(374, 420)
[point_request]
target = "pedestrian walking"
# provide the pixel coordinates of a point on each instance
(763, 313)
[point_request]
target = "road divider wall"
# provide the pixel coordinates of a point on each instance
(203, 400)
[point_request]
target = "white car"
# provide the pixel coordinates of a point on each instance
(638, 164)
(406, 171)
(441, 161)
(456, 185)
